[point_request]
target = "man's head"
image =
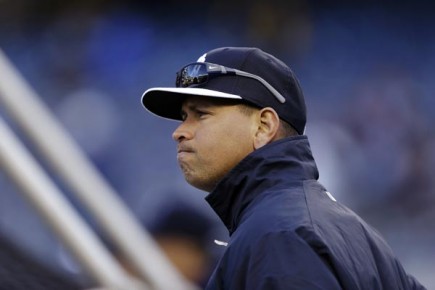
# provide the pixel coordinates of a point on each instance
(231, 102)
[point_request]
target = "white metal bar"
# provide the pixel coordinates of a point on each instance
(58, 212)
(85, 181)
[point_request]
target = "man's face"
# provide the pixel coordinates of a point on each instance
(213, 137)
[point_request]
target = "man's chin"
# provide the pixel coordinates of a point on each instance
(201, 185)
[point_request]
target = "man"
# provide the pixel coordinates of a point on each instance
(241, 139)
(182, 231)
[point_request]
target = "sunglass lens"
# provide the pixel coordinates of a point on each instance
(192, 75)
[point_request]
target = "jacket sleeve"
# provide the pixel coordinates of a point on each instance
(282, 260)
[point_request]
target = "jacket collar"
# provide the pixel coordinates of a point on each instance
(273, 166)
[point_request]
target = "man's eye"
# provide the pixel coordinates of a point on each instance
(200, 113)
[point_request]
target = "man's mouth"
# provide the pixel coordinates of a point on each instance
(183, 151)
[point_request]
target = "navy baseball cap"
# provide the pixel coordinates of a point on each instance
(248, 74)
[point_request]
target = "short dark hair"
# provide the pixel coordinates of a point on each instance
(287, 129)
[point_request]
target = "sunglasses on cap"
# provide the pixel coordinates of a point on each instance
(200, 72)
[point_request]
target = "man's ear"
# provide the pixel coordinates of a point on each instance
(268, 125)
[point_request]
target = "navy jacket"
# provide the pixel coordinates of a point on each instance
(287, 232)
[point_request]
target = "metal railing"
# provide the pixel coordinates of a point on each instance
(66, 158)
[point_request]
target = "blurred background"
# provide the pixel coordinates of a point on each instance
(366, 68)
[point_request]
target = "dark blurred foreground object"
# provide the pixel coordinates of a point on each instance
(19, 271)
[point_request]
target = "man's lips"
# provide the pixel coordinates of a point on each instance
(182, 151)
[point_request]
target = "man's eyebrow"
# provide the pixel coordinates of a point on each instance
(194, 107)
(191, 107)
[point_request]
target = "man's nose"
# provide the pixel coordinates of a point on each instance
(182, 132)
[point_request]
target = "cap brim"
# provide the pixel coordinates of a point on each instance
(166, 102)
